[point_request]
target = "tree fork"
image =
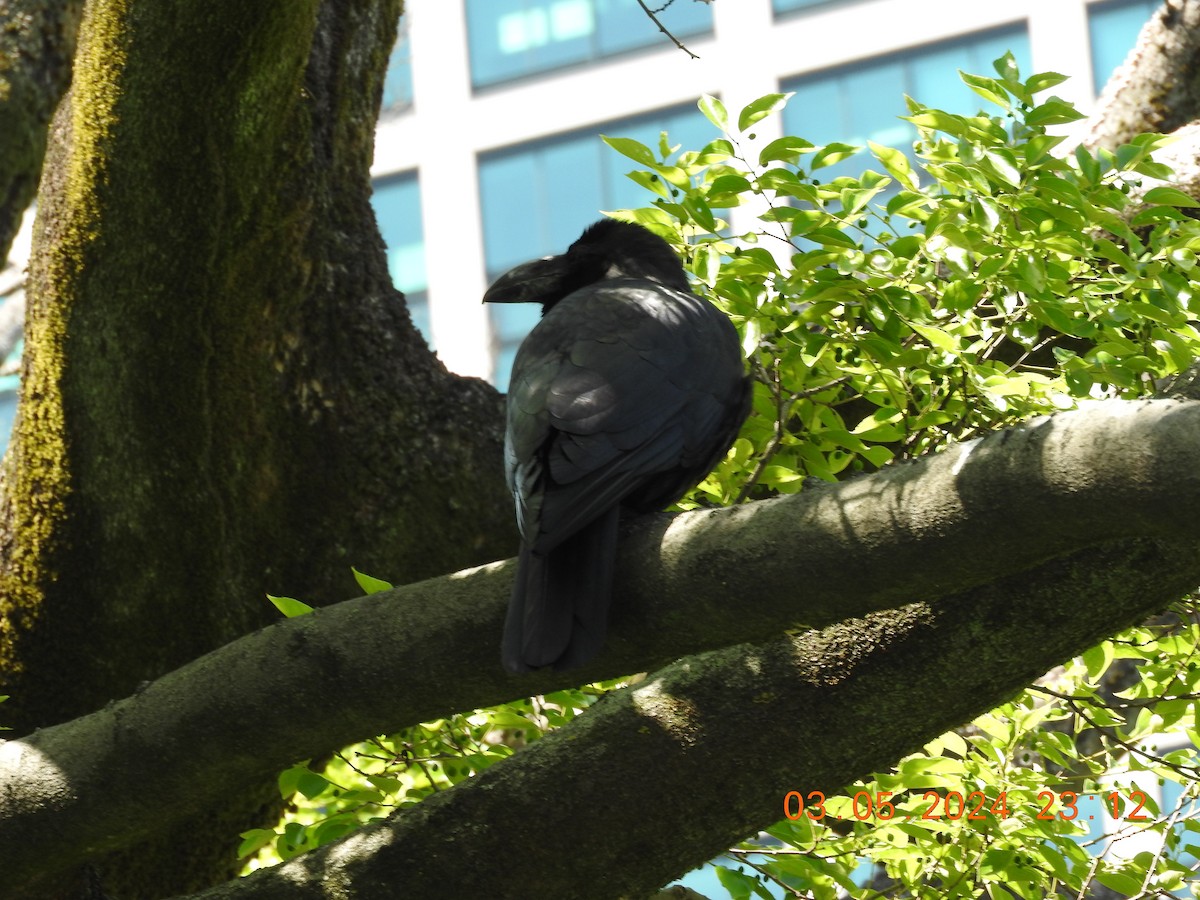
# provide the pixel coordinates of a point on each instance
(206, 257)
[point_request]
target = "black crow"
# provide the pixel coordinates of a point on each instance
(624, 396)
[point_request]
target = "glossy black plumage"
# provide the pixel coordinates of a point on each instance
(624, 396)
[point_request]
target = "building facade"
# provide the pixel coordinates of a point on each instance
(489, 154)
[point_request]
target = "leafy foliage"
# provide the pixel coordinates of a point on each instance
(1016, 805)
(981, 279)
(976, 282)
(371, 779)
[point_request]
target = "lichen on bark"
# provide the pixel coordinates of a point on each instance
(223, 393)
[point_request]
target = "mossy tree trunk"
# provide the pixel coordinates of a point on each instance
(37, 47)
(223, 395)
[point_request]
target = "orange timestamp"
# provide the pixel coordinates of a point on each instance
(954, 805)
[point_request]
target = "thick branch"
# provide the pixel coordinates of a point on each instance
(665, 775)
(1156, 89)
(1112, 472)
(37, 43)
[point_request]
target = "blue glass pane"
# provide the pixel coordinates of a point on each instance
(509, 192)
(817, 112)
(982, 50)
(397, 83)
(554, 187)
(935, 81)
(686, 128)
(8, 411)
(622, 25)
(494, 54)
(535, 199)
(397, 203)
(572, 191)
(875, 97)
(864, 102)
(511, 38)
(933, 74)
(788, 5)
(1113, 29)
(1172, 798)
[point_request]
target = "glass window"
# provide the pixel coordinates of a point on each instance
(536, 198)
(397, 83)
(1184, 853)
(781, 6)
(397, 202)
(1113, 29)
(9, 384)
(862, 102)
(511, 38)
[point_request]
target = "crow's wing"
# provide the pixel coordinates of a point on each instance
(626, 392)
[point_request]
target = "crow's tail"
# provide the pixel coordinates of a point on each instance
(558, 614)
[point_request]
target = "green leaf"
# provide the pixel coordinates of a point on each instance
(664, 145)
(1169, 196)
(726, 187)
(1123, 884)
(1006, 68)
(714, 111)
(369, 584)
(1089, 166)
(1053, 112)
(635, 150)
(911, 205)
(1004, 166)
(896, 163)
(332, 829)
(937, 120)
(832, 153)
(988, 88)
(253, 841)
(739, 885)
(390, 785)
(700, 212)
(290, 607)
(1044, 81)
(785, 149)
(311, 784)
(717, 150)
(1106, 249)
(651, 182)
(759, 109)
(937, 337)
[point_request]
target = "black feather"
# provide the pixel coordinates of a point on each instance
(624, 396)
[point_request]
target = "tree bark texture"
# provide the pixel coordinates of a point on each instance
(37, 47)
(1101, 532)
(223, 395)
(1157, 89)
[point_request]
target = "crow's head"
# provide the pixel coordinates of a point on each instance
(607, 249)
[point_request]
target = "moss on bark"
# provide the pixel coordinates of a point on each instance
(223, 394)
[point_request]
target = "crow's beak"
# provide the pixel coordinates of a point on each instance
(531, 282)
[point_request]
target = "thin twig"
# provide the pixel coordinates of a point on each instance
(654, 19)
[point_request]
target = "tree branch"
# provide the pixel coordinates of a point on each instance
(37, 44)
(1086, 482)
(668, 773)
(654, 18)
(1155, 89)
